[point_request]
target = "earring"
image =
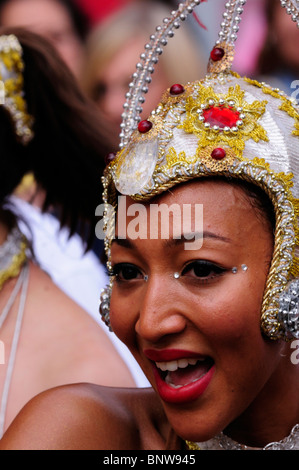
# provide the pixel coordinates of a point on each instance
(176, 275)
(288, 313)
(104, 308)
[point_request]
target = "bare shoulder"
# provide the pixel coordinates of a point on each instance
(84, 417)
(75, 341)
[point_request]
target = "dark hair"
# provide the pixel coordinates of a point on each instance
(67, 152)
(78, 18)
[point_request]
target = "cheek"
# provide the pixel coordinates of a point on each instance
(123, 314)
(232, 312)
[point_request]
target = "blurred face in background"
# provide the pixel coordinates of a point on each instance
(50, 19)
(287, 37)
(111, 83)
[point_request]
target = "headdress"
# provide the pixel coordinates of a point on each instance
(11, 87)
(223, 125)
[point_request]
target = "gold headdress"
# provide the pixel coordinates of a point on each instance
(221, 125)
(11, 87)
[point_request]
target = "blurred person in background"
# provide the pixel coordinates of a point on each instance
(278, 62)
(113, 50)
(47, 128)
(62, 22)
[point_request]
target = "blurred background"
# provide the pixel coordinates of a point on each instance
(101, 42)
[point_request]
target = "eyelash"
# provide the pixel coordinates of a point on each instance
(209, 269)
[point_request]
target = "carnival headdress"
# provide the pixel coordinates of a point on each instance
(222, 125)
(12, 87)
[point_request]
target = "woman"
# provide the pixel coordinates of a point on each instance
(111, 51)
(208, 307)
(50, 130)
(61, 22)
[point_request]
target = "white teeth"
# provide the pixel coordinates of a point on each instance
(174, 365)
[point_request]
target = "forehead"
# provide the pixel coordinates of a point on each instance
(225, 210)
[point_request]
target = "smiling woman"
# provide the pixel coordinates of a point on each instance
(212, 327)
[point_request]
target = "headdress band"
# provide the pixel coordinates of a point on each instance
(11, 76)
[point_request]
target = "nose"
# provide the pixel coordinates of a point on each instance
(162, 310)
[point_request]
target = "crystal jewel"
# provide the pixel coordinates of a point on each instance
(217, 53)
(221, 117)
(177, 89)
(218, 154)
(137, 167)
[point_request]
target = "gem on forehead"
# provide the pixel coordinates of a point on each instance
(145, 126)
(221, 117)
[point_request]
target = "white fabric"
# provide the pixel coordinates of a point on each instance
(80, 275)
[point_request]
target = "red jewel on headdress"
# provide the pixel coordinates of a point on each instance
(109, 157)
(218, 154)
(176, 89)
(145, 126)
(217, 54)
(221, 117)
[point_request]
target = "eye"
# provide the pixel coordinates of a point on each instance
(203, 270)
(126, 272)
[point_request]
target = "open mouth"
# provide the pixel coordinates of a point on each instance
(180, 376)
(182, 372)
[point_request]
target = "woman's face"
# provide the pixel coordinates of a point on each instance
(111, 83)
(50, 19)
(197, 336)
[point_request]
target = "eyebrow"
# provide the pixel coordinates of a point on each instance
(173, 242)
(185, 238)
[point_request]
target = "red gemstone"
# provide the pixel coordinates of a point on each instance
(144, 126)
(177, 89)
(109, 158)
(221, 117)
(217, 53)
(218, 154)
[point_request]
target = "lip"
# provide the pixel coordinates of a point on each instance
(186, 393)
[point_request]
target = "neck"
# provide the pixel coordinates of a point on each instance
(271, 417)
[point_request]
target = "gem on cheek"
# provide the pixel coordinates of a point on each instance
(218, 154)
(217, 54)
(144, 126)
(177, 89)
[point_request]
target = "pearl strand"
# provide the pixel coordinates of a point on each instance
(231, 21)
(145, 68)
(292, 9)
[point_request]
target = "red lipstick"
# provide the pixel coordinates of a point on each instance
(187, 392)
